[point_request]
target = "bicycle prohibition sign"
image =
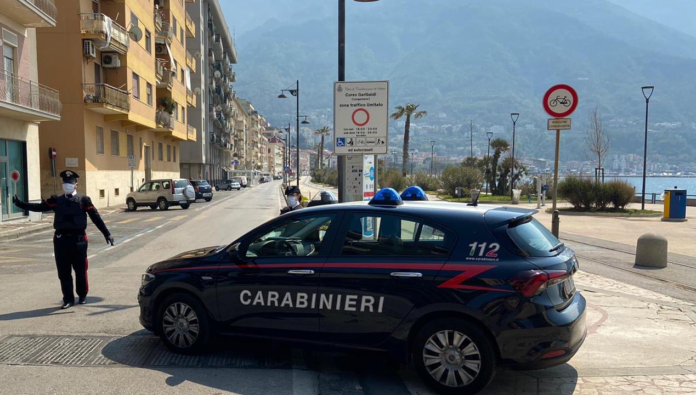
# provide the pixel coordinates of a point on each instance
(560, 101)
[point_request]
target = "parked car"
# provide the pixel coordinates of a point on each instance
(227, 185)
(203, 190)
(162, 194)
(277, 177)
(243, 181)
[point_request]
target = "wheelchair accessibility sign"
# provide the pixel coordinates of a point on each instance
(341, 142)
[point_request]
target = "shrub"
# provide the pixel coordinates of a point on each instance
(425, 181)
(392, 178)
(620, 193)
(578, 191)
(325, 176)
(466, 177)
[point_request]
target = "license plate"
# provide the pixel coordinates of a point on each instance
(569, 287)
(207, 194)
(183, 202)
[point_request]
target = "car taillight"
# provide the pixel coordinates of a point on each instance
(534, 282)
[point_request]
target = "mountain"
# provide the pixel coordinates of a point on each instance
(468, 59)
(678, 14)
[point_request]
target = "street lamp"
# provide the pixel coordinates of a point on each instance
(514, 116)
(342, 78)
(647, 93)
(296, 92)
(490, 136)
(432, 152)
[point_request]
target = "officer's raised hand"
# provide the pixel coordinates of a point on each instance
(109, 239)
(15, 200)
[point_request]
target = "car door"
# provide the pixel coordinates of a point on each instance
(380, 268)
(142, 194)
(155, 192)
(270, 285)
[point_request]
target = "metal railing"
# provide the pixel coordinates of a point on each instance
(165, 119)
(30, 94)
(159, 69)
(166, 31)
(158, 20)
(96, 24)
(48, 7)
(107, 94)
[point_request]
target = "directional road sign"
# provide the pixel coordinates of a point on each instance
(560, 101)
(361, 117)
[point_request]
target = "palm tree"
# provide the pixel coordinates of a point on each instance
(499, 146)
(410, 110)
(323, 132)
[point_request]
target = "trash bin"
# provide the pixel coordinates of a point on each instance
(516, 193)
(458, 191)
(675, 205)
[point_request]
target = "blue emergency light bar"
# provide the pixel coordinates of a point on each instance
(414, 193)
(386, 197)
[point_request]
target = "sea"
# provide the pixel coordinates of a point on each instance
(658, 184)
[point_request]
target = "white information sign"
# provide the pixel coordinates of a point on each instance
(72, 162)
(354, 178)
(559, 124)
(368, 177)
(361, 117)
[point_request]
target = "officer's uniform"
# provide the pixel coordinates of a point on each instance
(289, 191)
(70, 240)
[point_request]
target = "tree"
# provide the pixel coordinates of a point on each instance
(323, 132)
(410, 111)
(504, 169)
(597, 139)
(499, 146)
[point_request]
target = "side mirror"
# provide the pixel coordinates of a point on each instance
(236, 254)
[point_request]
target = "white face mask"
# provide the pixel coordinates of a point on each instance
(69, 188)
(292, 201)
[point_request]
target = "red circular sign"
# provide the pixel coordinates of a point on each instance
(14, 175)
(367, 117)
(560, 101)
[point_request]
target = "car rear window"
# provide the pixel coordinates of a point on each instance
(533, 238)
(181, 183)
(200, 183)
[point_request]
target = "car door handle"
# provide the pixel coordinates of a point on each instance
(407, 274)
(301, 272)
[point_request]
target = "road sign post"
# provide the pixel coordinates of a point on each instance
(559, 102)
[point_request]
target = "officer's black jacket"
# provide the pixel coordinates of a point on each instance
(71, 212)
(287, 209)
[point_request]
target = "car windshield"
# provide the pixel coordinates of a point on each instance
(534, 239)
(181, 183)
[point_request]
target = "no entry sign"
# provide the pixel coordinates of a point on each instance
(560, 101)
(14, 176)
(361, 117)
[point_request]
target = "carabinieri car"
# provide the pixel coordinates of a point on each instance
(455, 290)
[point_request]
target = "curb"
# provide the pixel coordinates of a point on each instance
(618, 215)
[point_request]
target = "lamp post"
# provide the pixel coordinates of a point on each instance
(296, 92)
(488, 171)
(412, 151)
(647, 93)
(432, 152)
(341, 78)
(514, 116)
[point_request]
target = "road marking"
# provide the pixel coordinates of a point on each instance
(153, 219)
(127, 221)
(213, 204)
(180, 217)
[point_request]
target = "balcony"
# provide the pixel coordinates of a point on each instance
(27, 100)
(165, 121)
(190, 98)
(191, 133)
(105, 99)
(190, 62)
(159, 69)
(95, 27)
(158, 20)
(31, 13)
(165, 34)
(190, 27)
(217, 47)
(167, 80)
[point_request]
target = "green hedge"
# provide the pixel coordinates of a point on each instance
(585, 194)
(466, 177)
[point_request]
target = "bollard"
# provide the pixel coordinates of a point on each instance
(651, 251)
(555, 223)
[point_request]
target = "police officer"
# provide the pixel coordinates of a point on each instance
(294, 199)
(70, 240)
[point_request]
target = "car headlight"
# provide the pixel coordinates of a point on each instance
(146, 279)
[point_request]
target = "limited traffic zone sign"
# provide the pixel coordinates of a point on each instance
(560, 101)
(361, 117)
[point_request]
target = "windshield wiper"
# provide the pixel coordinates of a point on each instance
(557, 247)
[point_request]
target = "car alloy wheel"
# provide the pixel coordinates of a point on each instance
(180, 325)
(131, 205)
(163, 205)
(452, 358)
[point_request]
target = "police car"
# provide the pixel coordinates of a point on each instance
(455, 290)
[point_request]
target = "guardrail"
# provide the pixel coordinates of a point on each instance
(30, 94)
(107, 94)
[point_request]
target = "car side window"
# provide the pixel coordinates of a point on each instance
(166, 185)
(389, 235)
(156, 186)
(293, 237)
(144, 187)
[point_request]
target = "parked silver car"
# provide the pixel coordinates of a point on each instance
(162, 194)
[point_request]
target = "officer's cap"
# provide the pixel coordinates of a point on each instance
(69, 176)
(291, 190)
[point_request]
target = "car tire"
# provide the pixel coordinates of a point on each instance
(185, 206)
(163, 204)
(130, 203)
(229, 188)
(239, 189)
(436, 353)
(208, 199)
(183, 324)
(153, 207)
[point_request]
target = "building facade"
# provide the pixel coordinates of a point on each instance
(213, 120)
(124, 70)
(24, 103)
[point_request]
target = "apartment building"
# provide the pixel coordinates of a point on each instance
(124, 68)
(213, 121)
(24, 102)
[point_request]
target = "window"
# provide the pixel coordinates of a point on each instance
(100, 140)
(116, 192)
(174, 154)
(148, 92)
(181, 76)
(8, 52)
(534, 239)
(389, 235)
(141, 147)
(129, 144)
(155, 186)
(115, 147)
(295, 237)
(134, 19)
(183, 114)
(145, 187)
(174, 25)
(181, 183)
(166, 185)
(136, 86)
(148, 41)
(181, 35)
(102, 195)
(95, 6)
(159, 151)
(169, 153)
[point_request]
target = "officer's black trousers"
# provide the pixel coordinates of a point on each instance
(71, 253)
